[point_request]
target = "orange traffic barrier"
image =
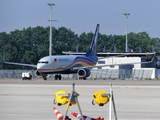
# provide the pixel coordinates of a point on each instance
(58, 114)
(99, 118)
(67, 118)
(85, 117)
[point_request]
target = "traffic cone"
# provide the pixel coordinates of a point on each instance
(67, 118)
(99, 118)
(84, 117)
(58, 114)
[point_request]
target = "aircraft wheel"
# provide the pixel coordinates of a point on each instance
(84, 78)
(56, 77)
(60, 77)
(44, 77)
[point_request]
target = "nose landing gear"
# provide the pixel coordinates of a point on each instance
(44, 77)
(56, 77)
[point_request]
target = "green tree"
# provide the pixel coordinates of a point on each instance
(31, 44)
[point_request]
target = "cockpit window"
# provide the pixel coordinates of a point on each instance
(46, 62)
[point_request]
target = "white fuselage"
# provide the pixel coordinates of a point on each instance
(61, 63)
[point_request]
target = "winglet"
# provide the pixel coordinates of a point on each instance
(4, 57)
(153, 57)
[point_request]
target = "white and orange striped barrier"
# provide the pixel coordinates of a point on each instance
(58, 114)
(85, 117)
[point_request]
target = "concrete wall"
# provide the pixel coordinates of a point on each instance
(139, 73)
(157, 73)
(145, 72)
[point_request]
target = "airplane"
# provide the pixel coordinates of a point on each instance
(69, 64)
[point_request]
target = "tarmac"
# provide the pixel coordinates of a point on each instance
(33, 99)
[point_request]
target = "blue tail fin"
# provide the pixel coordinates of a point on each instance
(93, 48)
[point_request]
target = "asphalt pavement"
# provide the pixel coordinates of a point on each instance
(33, 100)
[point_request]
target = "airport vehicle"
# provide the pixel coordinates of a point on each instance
(68, 64)
(26, 75)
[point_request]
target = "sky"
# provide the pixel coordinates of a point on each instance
(83, 15)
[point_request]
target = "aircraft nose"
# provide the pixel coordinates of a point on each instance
(42, 66)
(39, 66)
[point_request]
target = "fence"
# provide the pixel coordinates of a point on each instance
(95, 74)
(122, 74)
(14, 73)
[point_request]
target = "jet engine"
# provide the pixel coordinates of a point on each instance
(38, 73)
(84, 72)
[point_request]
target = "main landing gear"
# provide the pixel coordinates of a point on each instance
(82, 78)
(56, 77)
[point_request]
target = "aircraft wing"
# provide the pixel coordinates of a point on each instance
(108, 54)
(99, 66)
(122, 55)
(29, 65)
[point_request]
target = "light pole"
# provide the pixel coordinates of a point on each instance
(50, 37)
(126, 14)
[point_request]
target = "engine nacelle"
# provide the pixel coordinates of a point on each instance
(84, 72)
(38, 74)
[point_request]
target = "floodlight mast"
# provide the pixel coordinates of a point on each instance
(126, 14)
(50, 37)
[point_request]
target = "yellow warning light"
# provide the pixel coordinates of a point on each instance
(61, 97)
(72, 102)
(73, 98)
(100, 97)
